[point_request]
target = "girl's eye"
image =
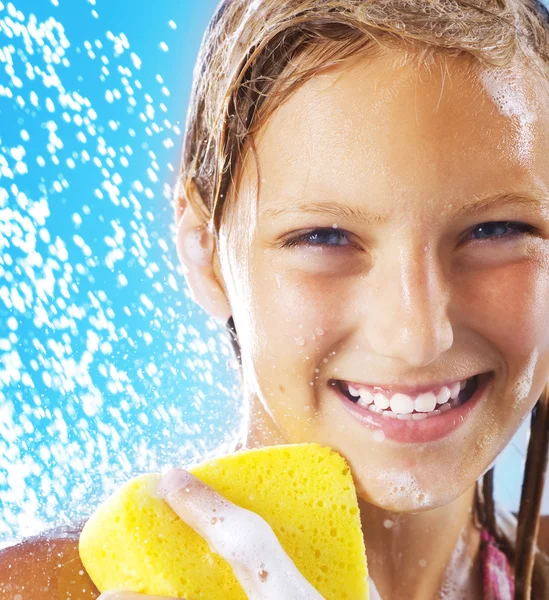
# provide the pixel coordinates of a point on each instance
(495, 230)
(329, 236)
(319, 237)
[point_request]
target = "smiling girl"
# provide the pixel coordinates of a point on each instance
(364, 199)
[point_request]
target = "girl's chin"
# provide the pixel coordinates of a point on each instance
(413, 504)
(408, 491)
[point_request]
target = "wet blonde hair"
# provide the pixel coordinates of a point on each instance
(255, 53)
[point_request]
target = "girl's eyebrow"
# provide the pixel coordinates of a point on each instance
(456, 209)
(539, 204)
(331, 209)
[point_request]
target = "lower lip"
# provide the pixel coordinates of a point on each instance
(426, 430)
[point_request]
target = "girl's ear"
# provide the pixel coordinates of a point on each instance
(196, 248)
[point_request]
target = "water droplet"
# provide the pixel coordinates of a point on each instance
(422, 562)
(388, 523)
(300, 341)
(319, 331)
(379, 435)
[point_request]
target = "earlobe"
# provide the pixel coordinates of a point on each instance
(195, 248)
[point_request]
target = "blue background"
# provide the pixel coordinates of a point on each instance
(107, 369)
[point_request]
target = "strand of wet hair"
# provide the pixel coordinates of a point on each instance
(530, 502)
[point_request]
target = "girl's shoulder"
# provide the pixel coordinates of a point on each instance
(46, 566)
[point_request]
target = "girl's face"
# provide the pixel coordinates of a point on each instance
(399, 240)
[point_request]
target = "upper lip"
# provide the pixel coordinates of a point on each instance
(410, 390)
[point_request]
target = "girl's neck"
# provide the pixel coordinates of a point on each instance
(428, 555)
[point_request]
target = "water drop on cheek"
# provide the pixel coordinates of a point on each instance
(300, 341)
(379, 436)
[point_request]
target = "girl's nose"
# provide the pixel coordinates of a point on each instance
(407, 308)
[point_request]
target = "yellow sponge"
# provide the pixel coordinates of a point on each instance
(135, 541)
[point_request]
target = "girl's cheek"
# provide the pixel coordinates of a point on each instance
(508, 306)
(299, 311)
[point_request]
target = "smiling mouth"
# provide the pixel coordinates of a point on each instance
(416, 408)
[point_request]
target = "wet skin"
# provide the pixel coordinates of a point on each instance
(409, 294)
(400, 283)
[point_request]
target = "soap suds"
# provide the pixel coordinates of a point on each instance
(458, 583)
(507, 91)
(523, 385)
(243, 538)
(402, 485)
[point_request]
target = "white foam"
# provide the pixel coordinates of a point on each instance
(403, 485)
(523, 385)
(243, 538)
(458, 583)
(507, 91)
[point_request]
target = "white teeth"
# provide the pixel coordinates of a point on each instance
(402, 404)
(425, 402)
(381, 401)
(366, 398)
(443, 395)
(455, 390)
(354, 392)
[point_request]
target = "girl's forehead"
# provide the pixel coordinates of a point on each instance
(395, 130)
